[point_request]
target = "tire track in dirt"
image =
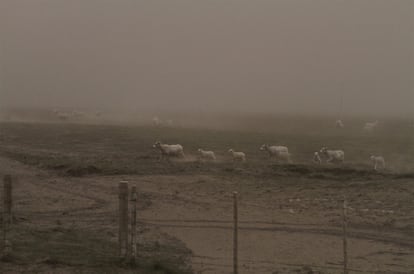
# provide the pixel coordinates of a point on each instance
(41, 179)
(360, 235)
(98, 203)
(264, 265)
(173, 197)
(208, 237)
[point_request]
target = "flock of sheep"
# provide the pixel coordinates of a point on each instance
(279, 153)
(157, 122)
(368, 127)
(73, 115)
(276, 152)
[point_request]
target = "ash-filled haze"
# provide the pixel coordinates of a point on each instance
(214, 55)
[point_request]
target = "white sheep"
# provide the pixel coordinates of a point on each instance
(168, 151)
(377, 160)
(238, 156)
(78, 114)
(206, 155)
(284, 156)
(333, 155)
(278, 152)
(156, 122)
(339, 124)
(63, 116)
(370, 126)
(316, 158)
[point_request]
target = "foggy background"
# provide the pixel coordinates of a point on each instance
(214, 56)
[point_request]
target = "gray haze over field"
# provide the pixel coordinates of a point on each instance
(213, 55)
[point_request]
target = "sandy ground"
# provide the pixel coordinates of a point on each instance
(283, 227)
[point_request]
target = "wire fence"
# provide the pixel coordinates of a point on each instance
(80, 247)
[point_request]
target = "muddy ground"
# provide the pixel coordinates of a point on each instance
(290, 215)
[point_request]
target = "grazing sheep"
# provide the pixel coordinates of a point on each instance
(378, 160)
(63, 116)
(278, 152)
(206, 155)
(339, 124)
(370, 126)
(284, 156)
(78, 114)
(238, 156)
(156, 122)
(168, 151)
(333, 155)
(316, 158)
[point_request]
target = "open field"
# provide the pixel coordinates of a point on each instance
(66, 197)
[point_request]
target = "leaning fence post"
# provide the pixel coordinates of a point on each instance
(7, 211)
(123, 219)
(345, 244)
(133, 222)
(235, 233)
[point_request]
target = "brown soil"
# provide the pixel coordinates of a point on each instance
(287, 224)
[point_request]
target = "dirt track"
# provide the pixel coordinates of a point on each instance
(283, 227)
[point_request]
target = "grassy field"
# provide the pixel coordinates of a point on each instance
(80, 162)
(105, 149)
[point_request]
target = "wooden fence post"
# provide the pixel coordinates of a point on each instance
(345, 243)
(123, 219)
(7, 212)
(235, 233)
(134, 222)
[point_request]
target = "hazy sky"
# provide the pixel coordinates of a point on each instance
(218, 55)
